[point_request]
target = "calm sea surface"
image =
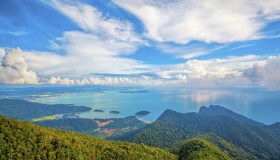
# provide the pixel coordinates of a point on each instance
(260, 105)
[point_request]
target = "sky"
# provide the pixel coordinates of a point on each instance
(185, 43)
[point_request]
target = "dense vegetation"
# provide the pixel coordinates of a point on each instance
(274, 128)
(23, 140)
(24, 110)
(172, 128)
(212, 133)
(232, 150)
(115, 112)
(79, 125)
(90, 126)
(199, 149)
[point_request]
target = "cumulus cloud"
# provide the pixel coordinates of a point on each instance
(241, 72)
(227, 72)
(100, 46)
(194, 73)
(124, 80)
(14, 69)
(211, 68)
(267, 75)
(220, 21)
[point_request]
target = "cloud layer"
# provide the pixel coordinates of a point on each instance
(103, 44)
(219, 21)
(266, 76)
(244, 71)
(99, 46)
(241, 72)
(14, 69)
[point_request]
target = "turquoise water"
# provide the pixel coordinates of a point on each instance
(259, 105)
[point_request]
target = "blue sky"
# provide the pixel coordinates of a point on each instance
(169, 39)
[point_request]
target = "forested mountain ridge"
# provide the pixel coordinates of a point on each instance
(219, 110)
(102, 128)
(173, 127)
(24, 140)
(220, 130)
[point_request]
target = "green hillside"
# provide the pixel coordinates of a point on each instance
(23, 140)
(101, 128)
(199, 149)
(215, 110)
(232, 150)
(172, 128)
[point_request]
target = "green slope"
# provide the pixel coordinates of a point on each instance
(119, 126)
(215, 110)
(172, 128)
(23, 140)
(199, 149)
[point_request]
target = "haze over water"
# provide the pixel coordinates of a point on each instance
(259, 105)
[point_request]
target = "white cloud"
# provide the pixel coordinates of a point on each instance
(62, 81)
(188, 51)
(18, 33)
(267, 75)
(103, 43)
(220, 21)
(194, 73)
(241, 46)
(125, 81)
(100, 47)
(86, 60)
(14, 69)
(245, 71)
(217, 73)
(219, 68)
(2, 53)
(94, 22)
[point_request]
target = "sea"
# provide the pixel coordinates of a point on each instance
(258, 104)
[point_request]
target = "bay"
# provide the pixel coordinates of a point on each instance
(257, 104)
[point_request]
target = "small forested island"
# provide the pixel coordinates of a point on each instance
(142, 113)
(115, 112)
(98, 110)
(135, 91)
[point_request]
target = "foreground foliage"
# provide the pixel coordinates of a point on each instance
(23, 140)
(199, 149)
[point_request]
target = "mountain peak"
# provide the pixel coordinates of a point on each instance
(275, 125)
(214, 110)
(166, 113)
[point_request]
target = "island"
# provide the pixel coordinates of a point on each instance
(98, 110)
(26, 110)
(134, 91)
(142, 113)
(115, 112)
